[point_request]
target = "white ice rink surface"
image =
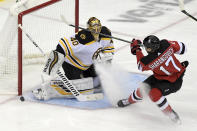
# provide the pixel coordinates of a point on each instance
(163, 19)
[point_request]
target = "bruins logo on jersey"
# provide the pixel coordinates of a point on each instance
(83, 36)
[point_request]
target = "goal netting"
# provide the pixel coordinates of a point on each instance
(41, 19)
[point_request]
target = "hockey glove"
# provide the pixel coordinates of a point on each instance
(135, 45)
(103, 58)
(185, 64)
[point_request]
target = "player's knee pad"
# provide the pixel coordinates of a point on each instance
(155, 94)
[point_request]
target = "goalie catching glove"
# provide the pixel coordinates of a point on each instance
(54, 62)
(103, 57)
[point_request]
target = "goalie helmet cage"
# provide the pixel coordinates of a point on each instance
(26, 14)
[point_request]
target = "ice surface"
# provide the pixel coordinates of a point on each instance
(162, 18)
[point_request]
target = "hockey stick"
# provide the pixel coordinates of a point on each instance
(29, 37)
(65, 80)
(181, 5)
(69, 24)
(75, 92)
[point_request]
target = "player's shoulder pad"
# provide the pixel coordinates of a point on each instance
(164, 44)
(84, 37)
(106, 31)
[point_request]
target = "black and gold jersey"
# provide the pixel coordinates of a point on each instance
(80, 49)
(85, 37)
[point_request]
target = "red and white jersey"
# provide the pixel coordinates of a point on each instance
(163, 63)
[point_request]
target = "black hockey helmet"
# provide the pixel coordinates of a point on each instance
(152, 42)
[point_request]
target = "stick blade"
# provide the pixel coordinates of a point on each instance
(189, 15)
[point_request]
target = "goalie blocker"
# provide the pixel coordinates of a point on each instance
(60, 87)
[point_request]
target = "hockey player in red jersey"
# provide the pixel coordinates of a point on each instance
(167, 76)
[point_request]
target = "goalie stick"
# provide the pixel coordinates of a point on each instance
(69, 24)
(65, 80)
(29, 37)
(181, 5)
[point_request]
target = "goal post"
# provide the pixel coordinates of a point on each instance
(20, 55)
(42, 20)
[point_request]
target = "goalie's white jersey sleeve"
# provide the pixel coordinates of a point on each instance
(81, 49)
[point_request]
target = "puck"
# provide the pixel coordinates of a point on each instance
(22, 98)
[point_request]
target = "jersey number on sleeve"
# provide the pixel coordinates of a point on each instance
(170, 59)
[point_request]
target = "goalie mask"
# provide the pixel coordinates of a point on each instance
(151, 43)
(94, 25)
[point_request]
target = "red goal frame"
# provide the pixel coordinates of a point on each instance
(20, 43)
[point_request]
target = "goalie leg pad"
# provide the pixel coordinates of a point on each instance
(97, 85)
(83, 84)
(54, 62)
(56, 89)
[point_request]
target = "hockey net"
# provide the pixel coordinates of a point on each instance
(41, 19)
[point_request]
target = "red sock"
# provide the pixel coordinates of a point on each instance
(157, 97)
(135, 96)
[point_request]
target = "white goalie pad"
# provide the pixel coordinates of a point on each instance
(80, 84)
(56, 89)
(83, 84)
(54, 62)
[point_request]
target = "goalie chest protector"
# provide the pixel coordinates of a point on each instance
(81, 48)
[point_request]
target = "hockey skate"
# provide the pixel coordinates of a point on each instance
(123, 103)
(174, 117)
